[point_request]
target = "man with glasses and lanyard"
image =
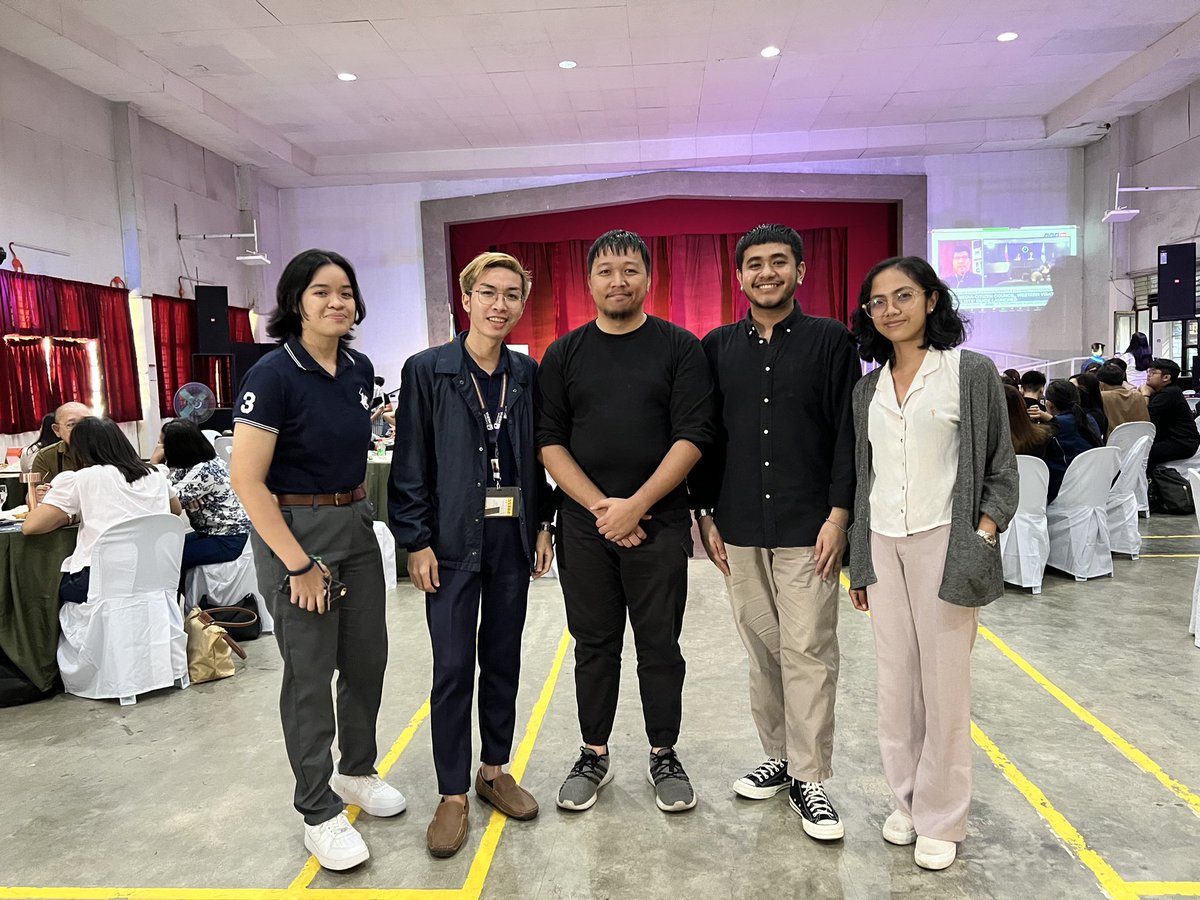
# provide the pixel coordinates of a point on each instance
(470, 502)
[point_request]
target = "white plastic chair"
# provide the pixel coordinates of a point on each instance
(227, 583)
(1123, 437)
(1078, 519)
(224, 447)
(128, 638)
(1193, 477)
(1025, 544)
(212, 434)
(1123, 534)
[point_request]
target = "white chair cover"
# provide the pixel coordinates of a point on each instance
(224, 447)
(387, 549)
(128, 638)
(1025, 544)
(1078, 518)
(1193, 477)
(226, 583)
(1123, 437)
(1123, 534)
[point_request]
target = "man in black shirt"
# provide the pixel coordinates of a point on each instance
(1175, 434)
(625, 412)
(774, 499)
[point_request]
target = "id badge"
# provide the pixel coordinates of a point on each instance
(502, 502)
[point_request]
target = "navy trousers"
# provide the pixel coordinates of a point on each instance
(489, 605)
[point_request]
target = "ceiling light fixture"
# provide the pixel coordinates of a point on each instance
(1005, 36)
(347, 76)
(769, 52)
(567, 64)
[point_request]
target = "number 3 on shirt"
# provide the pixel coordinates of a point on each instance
(248, 399)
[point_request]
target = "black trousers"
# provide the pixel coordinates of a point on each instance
(351, 638)
(1162, 451)
(602, 584)
(477, 612)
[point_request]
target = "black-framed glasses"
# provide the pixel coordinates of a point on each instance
(902, 300)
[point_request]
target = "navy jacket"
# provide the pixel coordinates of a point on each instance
(440, 470)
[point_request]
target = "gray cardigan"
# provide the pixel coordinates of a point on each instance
(986, 483)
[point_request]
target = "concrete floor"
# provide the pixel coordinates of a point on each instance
(99, 796)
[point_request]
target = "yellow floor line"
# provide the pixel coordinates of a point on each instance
(473, 886)
(1130, 752)
(1109, 880)
(177, 893)
(1165, 888)
(312, 867)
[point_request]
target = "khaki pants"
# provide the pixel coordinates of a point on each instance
(923, 654)
(787, 618)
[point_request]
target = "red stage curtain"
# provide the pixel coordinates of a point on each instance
(118, 360)
(23, 372)
(70, 373)
(174, 343)
(239, 325)
(27, 304)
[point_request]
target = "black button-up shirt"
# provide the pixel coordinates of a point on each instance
(784, 454)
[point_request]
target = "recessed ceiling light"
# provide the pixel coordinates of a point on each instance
(346, 76)
(769, 52)
(1005, 36)
(567, 64)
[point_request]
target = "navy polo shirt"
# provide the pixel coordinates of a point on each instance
(490, 386)
(322, 421)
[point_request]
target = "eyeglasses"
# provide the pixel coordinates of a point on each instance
(902, 300)
(488, 296)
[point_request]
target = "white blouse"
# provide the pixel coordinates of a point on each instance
(914, 447)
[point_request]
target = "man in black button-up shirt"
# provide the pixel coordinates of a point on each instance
(773, 500)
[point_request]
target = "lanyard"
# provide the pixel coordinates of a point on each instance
(493, 428)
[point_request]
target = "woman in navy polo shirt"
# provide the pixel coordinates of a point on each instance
(301, 433)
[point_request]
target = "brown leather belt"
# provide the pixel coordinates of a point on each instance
(345, 498)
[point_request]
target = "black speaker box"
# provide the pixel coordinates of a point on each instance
(244, 357)
(212, 319)
(1176, 281)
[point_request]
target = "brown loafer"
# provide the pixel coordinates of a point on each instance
(448, 829)
(507, 796)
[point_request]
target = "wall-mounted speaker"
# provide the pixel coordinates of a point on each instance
(1176, 281)
(212, 319)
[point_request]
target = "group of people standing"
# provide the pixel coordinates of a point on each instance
(764, 431)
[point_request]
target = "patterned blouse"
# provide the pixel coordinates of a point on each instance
(209, 500)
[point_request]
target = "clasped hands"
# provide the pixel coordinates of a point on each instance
(619, 520)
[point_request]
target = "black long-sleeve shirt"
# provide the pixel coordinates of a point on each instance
(618, 402)
(1172, 417)
(784, 453)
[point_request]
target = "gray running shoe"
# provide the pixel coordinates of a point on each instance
(672, 789)
(588, 775)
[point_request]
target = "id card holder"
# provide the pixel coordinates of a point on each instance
(502, 502)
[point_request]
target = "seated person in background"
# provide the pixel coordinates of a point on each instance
(200, 479)
(1089, 398)
(1121, 402)
(1029, 438)
(109, 485)
(44, 439)
(1033, 387)
(1074, 431)
(1175, 434)
(59, 456)
(1013, 377)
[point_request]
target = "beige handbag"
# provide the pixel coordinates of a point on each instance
(210, 649)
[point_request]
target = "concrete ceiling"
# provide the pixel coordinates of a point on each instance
(472, 88)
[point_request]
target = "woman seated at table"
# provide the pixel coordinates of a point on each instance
(201, 482)
(45, 438)
(111, 485)
(1029, 438)
(1074, 430)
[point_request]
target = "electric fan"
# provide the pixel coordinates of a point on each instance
(195, 402)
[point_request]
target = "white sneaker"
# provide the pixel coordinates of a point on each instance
(370, 793)
(934, 854)
(335, 843)
(898, 829)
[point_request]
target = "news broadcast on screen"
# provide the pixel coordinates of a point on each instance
(1001, 268)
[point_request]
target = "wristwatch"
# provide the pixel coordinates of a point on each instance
(703, 514)
(988, 538)
(546, 527)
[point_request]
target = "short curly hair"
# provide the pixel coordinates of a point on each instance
(945, 327)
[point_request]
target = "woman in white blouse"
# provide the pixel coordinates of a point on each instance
(111, 485)
(936, 481)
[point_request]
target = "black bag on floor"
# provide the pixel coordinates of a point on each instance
(1170, 493)
(240, 620)
(15, 688)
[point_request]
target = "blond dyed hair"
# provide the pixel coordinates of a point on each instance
(493, 260)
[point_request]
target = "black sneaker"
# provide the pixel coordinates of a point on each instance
(764, 782)
(817, 815)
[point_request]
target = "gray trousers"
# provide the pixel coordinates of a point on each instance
(351, 638)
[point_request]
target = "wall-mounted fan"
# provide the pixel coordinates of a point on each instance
(195, 402)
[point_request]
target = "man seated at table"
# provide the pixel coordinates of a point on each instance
(57, 457)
